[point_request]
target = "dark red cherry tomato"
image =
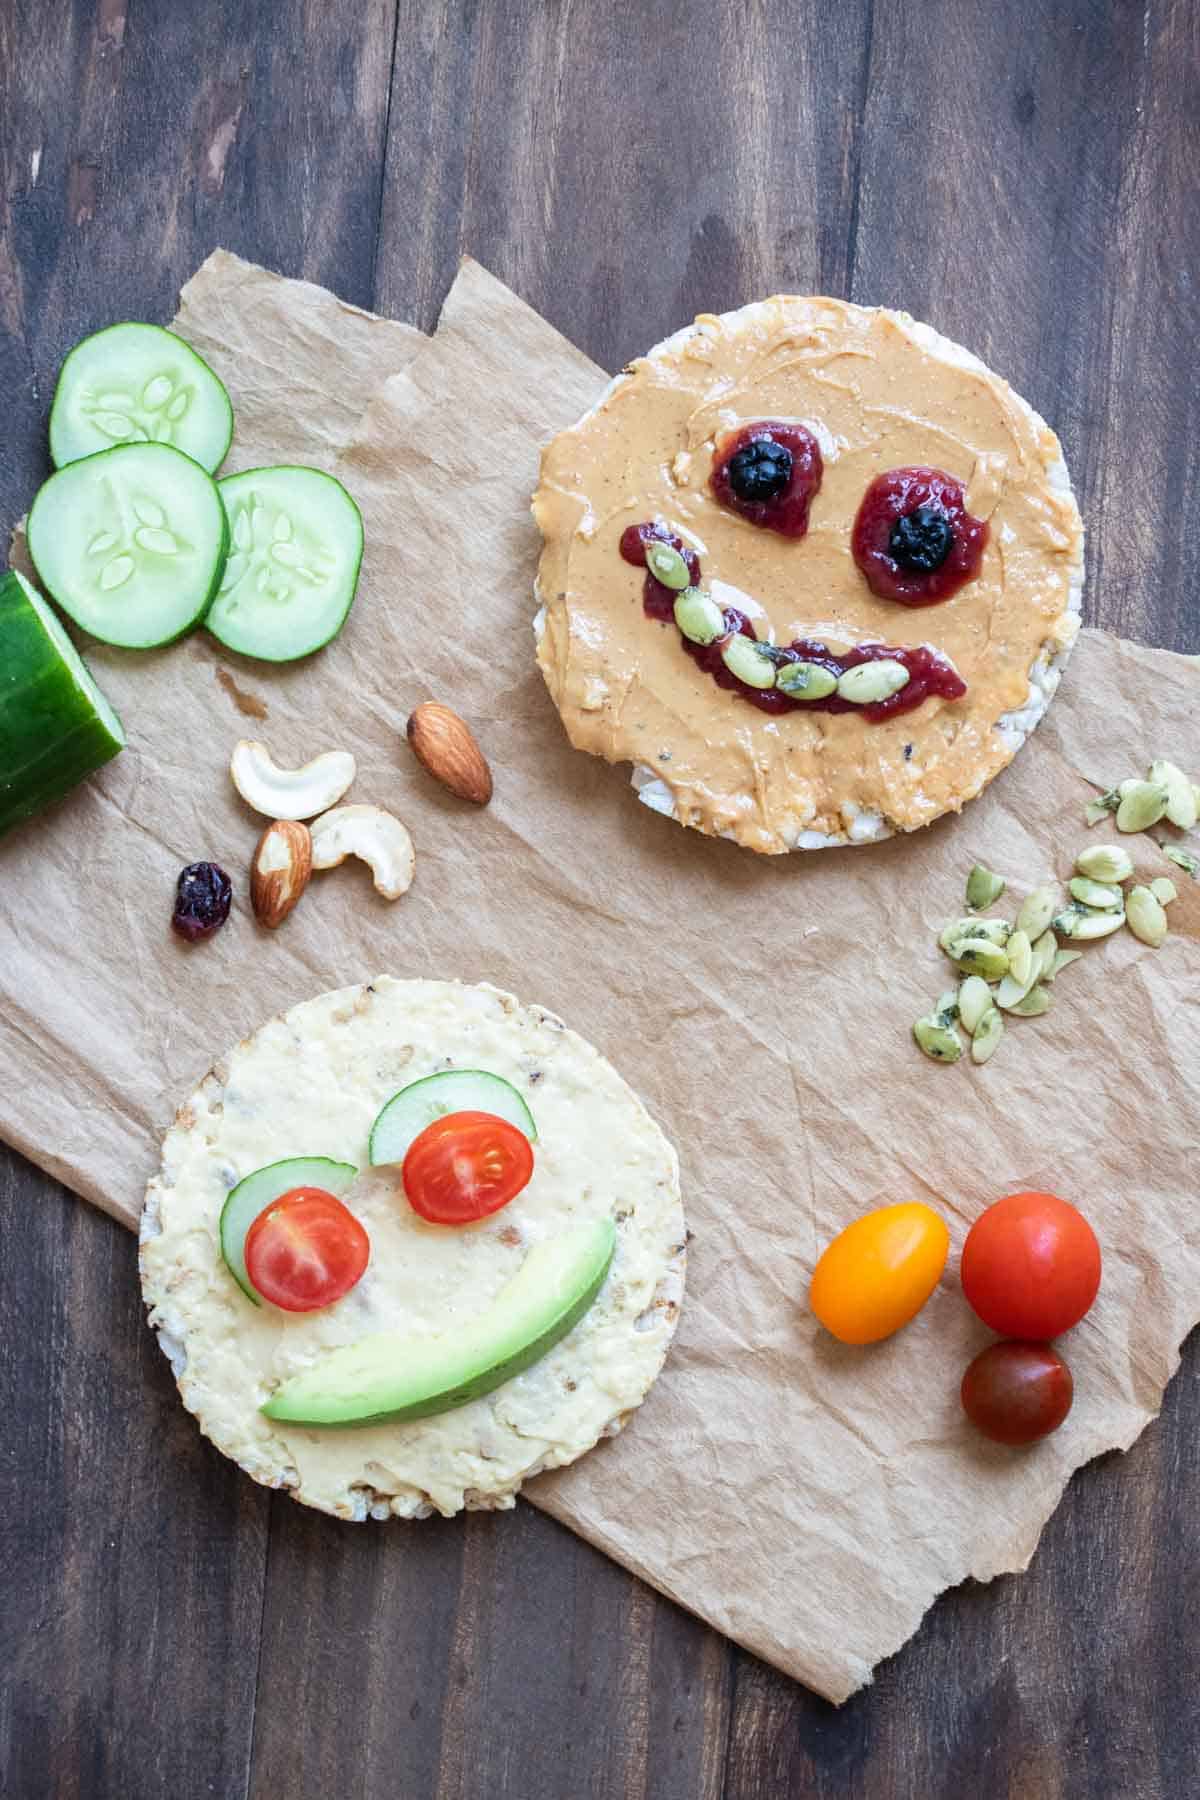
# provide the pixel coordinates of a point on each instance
(1017, 1393)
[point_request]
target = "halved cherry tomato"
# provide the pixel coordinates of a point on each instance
(1017, 1393)
(306, 1250)
(1031, 1266)
(878, 1273)
(465, 1166)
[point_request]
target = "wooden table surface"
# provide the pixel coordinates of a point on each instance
(1025, 177)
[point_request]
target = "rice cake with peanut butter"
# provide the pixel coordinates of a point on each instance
(812, 569)
(310, 1084)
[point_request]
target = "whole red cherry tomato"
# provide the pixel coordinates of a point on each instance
(305, 1250)
(1031, 1266)
(1017, 1393)
(465, 1166)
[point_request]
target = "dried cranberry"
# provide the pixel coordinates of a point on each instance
(202, 902)
(768, 473)
(914, 540)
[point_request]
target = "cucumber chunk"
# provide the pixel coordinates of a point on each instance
(55, 724)
(138, 384)
(254, 1193)
(296, 542)
(130, 543)
(407, 1113)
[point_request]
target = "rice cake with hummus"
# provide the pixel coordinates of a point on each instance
(812, 569)
(314, 1083)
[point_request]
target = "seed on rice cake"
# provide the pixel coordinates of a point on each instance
(311, 1084)
(812, 569)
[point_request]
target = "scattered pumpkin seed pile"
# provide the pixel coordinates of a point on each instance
(1007, 968)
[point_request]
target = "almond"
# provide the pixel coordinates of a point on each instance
(280, 870)
(447, 748)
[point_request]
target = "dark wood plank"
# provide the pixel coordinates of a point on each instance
(1026, 178)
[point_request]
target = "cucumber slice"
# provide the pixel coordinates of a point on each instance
(454, 1090)
(130, 543)
(138, 384)
(296, 545)
(254, 1193)
(55, 724)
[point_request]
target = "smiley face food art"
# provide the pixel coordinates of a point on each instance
(415, 1345)
(812, 569)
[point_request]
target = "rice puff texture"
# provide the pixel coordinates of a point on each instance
(311, 1083)
(879, 391)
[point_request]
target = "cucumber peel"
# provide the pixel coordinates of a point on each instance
(130, 543)
(56, 726)
(408, 1113)
(296, 543)
(136, 384)
(255, 1192)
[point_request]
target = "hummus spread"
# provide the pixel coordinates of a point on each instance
(879, 391)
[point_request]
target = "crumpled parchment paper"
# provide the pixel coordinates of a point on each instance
(809, 1499)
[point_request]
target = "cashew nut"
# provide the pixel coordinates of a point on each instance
(372, 834)
(289, 793)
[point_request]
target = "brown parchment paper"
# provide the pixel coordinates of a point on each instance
(809, 1499)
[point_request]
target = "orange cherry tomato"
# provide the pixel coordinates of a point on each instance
(305, 1250)
(1017, 1393)
(465, 1166)
(878, 1273)
(1031, 1266)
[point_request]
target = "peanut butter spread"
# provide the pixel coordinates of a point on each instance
(879, 392)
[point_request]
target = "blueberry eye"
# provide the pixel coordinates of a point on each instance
(921, 540)
(760, 470)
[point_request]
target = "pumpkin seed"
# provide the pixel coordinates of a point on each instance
(1078, 922)
(668, 566)
(939, 1042)
(1142, 805)
(1183, 859)
(749, 660)
(1020, 957)
(1011, 992)
(699, 617)
(1037, 910)
(1036, 1002)
(977, 957)
(1046, 949)
(1145, 917)
(1105, 862)
(983, 887)
(1164, 890)
(866, 683)
(1061, 959)
(994, 931)
(805, 681)
(1094, 894)
(974, 1000)
(988, 1033)
(1181, 798)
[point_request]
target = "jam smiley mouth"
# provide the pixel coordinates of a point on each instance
(803, 676)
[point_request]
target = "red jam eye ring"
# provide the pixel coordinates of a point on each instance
(914, 540)
(768, 473)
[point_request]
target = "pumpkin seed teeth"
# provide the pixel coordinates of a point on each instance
(1143, 804)
(988, 1033)
(1145, 917)
(941, 1043)
(1105, 862)
(984, 888)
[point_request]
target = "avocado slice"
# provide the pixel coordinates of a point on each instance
(394, 1375)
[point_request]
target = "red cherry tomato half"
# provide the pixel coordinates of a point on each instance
(1031, 1266)
(305, 1250)
(465, 1166)
(1017, 1393)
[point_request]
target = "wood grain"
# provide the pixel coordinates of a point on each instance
(1026, 178)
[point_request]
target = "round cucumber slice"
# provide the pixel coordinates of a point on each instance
(296, 542)
(138, 384)
(55, 724)
(254, 1193)
(453, 1090)
(130, 543)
